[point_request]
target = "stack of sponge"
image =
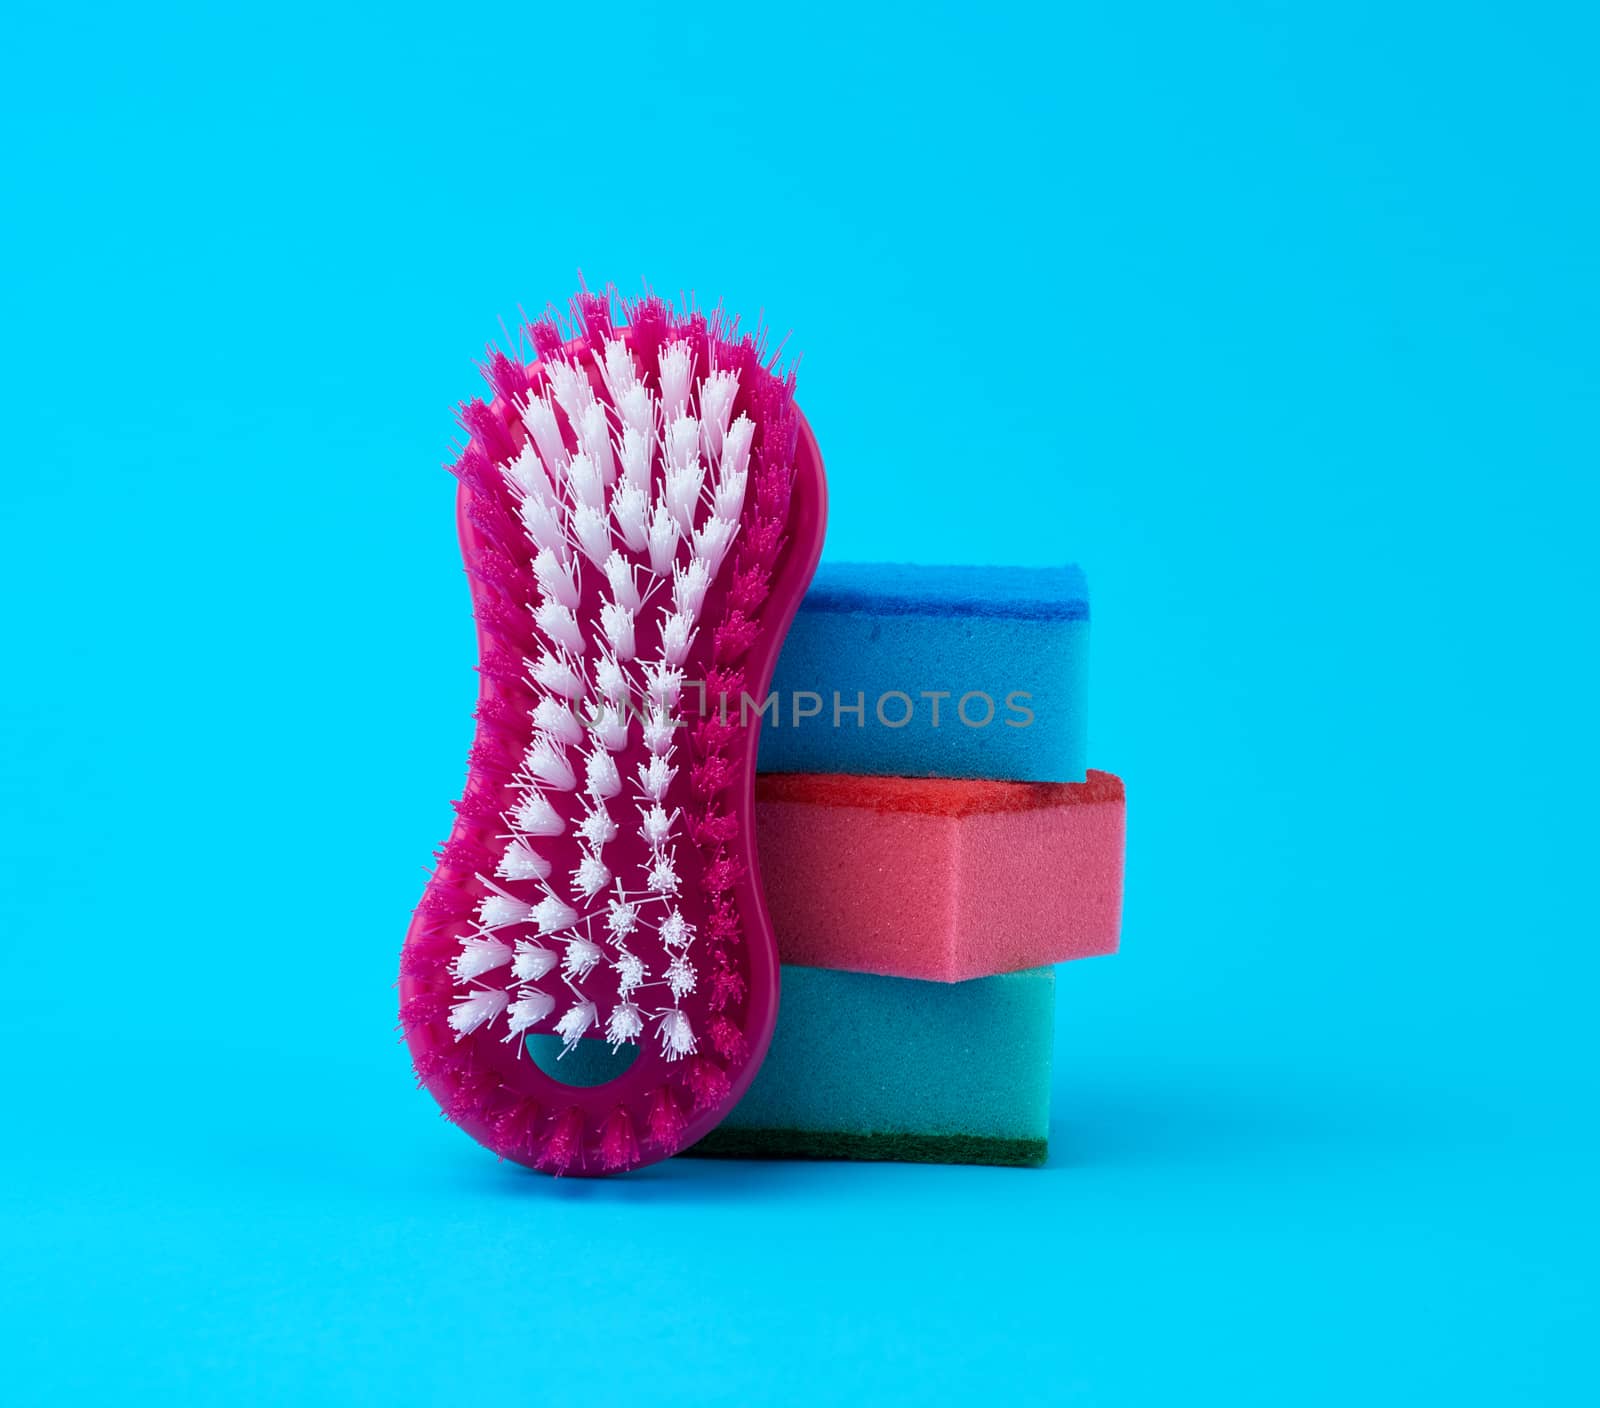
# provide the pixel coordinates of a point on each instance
(931, 844)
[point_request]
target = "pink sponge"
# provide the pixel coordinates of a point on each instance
(940, 878)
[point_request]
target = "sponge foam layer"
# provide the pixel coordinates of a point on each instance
(889, 1068)
(934, 672)
(940, 879)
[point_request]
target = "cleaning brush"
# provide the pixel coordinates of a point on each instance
(640, 508)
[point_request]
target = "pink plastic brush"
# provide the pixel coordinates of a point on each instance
(640, 511)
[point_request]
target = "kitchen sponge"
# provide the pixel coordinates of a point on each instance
(937, 878)
(865, 1067)
(934, 672)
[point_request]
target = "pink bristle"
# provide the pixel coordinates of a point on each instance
(491, 433)
(712, 775)
(461, 853)
(471, 1094)
(709, 1082)
(749, 589)
(478, 806)
(715, 828)
(503, 666)
(563, 1142)
(546, 338)
(474, 471)
(500, 714)
(495, 524)
(431, 1065)
(508, 379)
(728, 1041)
(734, 637)
(515, 1127)
(618, 1147)
(493, 753)
(727, 989)
(423, 964)
(667, 1121)
(648, 321)
(495, 569)
(423, 1008)
(594, 311)
(506, 623)
(443, 902)
(722, 875)
(723, 923)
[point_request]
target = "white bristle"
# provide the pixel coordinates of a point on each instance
(736, 446)
(711, 540)
(594, 436)
(600, 777)
(622, 919)
(634, 452)
(616, 621)
(680, 976)
(677, 1036)
(590, 876)
(556, 577)
(526, 472)
(683, 442)
(597, 827)
(575, 1021)
(552, 916)
(534, 816)
(610, 726)
(728, 501)
(656, 825)
(496, 911)
(657, 729)
(611, 680)
(559, 626)
(521, 862)
(580, 957)
(542, 525)
(477, 1007)
(681, 494)
(531, 962)
(677, 366)
(546, 761)
(663, 540)
(675, 930)
(617, 369)
(530, 1008)
(677, 631)
(479, 956)
(637, 408)
(663, 683)
(624, 585)
(689, 587)
(717, 393)
(655, 777)
(558, 718)
(593, 533)
(630, 973)
(663, 876)
(631, 508)
(588, 483)
(571, 386)
(552, 673)
(540, 418)
(624, 1025)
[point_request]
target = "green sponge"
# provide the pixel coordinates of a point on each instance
(867, 1067)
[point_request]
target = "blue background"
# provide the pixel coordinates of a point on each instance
(1280, 319)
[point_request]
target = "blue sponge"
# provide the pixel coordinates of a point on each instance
(934, 672)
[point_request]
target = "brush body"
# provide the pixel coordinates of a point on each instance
(640, 511)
